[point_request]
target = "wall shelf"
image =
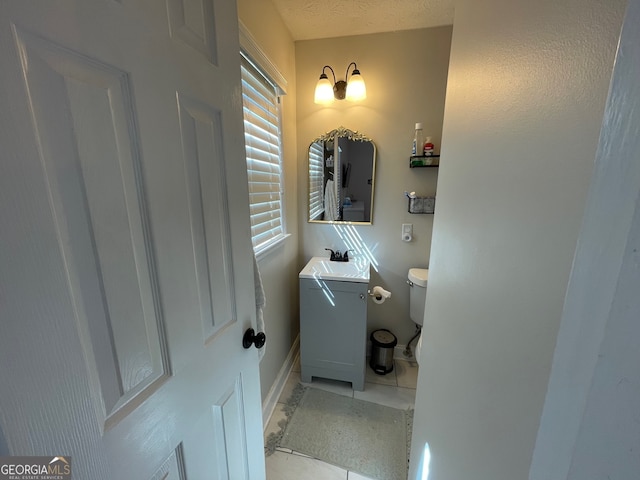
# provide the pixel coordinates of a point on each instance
(422, 161)
(426, 205)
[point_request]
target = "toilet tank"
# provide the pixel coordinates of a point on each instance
(417, 293)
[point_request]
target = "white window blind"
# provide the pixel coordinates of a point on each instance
(316, 181)
(262, 140)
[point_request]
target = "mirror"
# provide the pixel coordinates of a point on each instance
(341, 177)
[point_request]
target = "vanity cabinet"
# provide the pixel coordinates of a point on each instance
(333, 330)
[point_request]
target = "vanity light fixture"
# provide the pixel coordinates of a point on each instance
(352, 89)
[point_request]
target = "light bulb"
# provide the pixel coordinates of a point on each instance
(356, 89)
(324, 91)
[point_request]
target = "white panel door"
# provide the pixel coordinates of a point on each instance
(126, 277)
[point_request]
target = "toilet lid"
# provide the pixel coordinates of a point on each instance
(419, 276)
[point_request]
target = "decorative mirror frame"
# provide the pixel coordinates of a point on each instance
(342, 132)
(331, 136)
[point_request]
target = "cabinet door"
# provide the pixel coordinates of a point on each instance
(333, 327)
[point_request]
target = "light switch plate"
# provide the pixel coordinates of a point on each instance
(407, 229)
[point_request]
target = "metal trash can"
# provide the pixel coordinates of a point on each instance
(382, 345)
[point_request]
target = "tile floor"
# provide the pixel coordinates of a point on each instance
(396, 389)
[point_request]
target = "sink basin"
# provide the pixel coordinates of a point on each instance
(355, 270)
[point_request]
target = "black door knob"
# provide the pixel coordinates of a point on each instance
(250, 337)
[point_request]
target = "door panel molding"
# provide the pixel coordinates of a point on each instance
(229, 425)
(201, 131)
(173, 467)
(83, 116)
(193, 22)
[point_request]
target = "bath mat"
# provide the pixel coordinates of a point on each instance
(370, 439)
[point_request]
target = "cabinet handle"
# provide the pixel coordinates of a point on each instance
(362, 296)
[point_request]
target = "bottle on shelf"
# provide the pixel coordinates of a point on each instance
(418, 140)
(428, 148)
(416, 161)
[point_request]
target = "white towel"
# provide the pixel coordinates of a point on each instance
(330, 203)
(260, 303)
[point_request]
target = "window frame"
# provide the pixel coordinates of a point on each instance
(256, 59)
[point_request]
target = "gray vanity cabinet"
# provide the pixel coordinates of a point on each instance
(333, 330)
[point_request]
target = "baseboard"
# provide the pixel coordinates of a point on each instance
(271, 399)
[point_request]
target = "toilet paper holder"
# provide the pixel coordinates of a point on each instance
(379, 294)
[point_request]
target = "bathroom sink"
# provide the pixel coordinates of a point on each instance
(354, 270)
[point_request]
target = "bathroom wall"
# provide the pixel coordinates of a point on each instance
(589, 426)
(406, 75)
(279, 269)
(525, 98)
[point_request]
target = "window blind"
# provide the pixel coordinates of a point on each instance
(316, 181)
(262, 141)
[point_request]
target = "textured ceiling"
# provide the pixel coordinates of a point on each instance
(312, 19)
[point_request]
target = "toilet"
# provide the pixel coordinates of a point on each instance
(417, 280)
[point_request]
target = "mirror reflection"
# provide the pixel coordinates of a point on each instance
(341, 177)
